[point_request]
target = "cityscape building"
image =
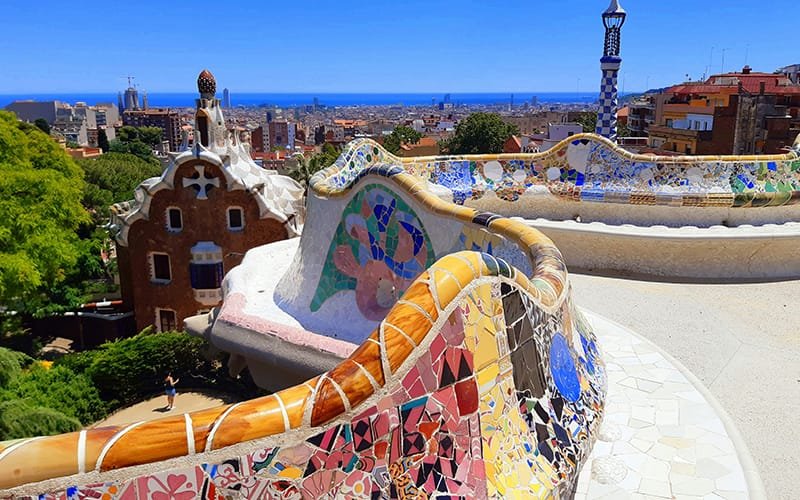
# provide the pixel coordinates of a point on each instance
(30, 110)
(742, 112)
(281, 135)
(166, 119)
(78, 124)
(131, 99)
(480, 377)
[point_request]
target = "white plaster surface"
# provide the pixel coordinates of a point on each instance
(661, 436)
(258, 275)
(742, 340)
(768, 251)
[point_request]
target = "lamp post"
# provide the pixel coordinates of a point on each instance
(613, 19)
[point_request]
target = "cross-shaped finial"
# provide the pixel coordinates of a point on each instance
(202, 182)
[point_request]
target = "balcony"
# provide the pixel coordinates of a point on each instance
(682, 133)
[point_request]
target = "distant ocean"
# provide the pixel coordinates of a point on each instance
(186, 100)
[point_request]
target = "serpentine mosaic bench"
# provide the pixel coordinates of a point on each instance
(610, 210)
(592, 179)
(467, 370)
(591, 168)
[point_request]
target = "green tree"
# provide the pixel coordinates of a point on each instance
(623, 130)
(19, 419)
(11, 364)
(127, 134)
(151, 136)
(138, 141)
(588, 120)
(42, 124)
(112, 177)
(102, 140)
(61, 389)
(399, 136)
(40, 211)
(302, 168)
(479, 133)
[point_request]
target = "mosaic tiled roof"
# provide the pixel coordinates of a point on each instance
(206, 84)
(279, 197)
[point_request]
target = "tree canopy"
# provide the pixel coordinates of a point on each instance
(112, 177)
(302, 168)
(399, 136)
(40, 211)
(138, 141)
(102, 140)
(588, 120)
(479, 133)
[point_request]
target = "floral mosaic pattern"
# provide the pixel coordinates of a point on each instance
(379, 247)
(482, 413)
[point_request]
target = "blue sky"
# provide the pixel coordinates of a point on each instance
(380, 46)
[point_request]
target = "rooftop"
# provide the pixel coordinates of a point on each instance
(728, 83)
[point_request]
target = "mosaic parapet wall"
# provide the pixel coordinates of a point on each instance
(481, 380)
(590, 168)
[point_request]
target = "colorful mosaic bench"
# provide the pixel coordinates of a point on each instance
(590, 168)
(478, 377)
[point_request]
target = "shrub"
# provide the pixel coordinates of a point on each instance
(78, 362)
(61, 389)
(126, 370)
(11, 363)
(129, 370)
(19, 419)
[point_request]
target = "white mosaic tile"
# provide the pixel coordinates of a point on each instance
(670, 438)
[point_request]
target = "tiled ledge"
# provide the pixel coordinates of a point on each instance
(746, 231)
(716, 253)
(663, 435)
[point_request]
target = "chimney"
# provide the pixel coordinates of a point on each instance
(761, 87)
(746, 70)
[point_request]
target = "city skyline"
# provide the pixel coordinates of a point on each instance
(344, 48)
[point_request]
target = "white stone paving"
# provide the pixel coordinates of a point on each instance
(661, 437)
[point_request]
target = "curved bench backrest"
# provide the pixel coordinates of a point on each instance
(481, 380)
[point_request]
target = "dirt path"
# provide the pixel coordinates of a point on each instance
(156, 408)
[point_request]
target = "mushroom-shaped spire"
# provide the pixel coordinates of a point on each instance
(206, 84)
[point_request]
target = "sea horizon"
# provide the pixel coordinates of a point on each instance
(292, 99)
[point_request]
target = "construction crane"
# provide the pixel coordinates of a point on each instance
(130, 80)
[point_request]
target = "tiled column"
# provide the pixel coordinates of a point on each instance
(607, 115)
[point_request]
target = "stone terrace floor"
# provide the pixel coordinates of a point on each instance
(661, 438)
(742, 341)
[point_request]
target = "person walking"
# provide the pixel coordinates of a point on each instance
(169, 385)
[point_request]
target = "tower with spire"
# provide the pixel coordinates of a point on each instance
(613, 19)
(210, 205)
